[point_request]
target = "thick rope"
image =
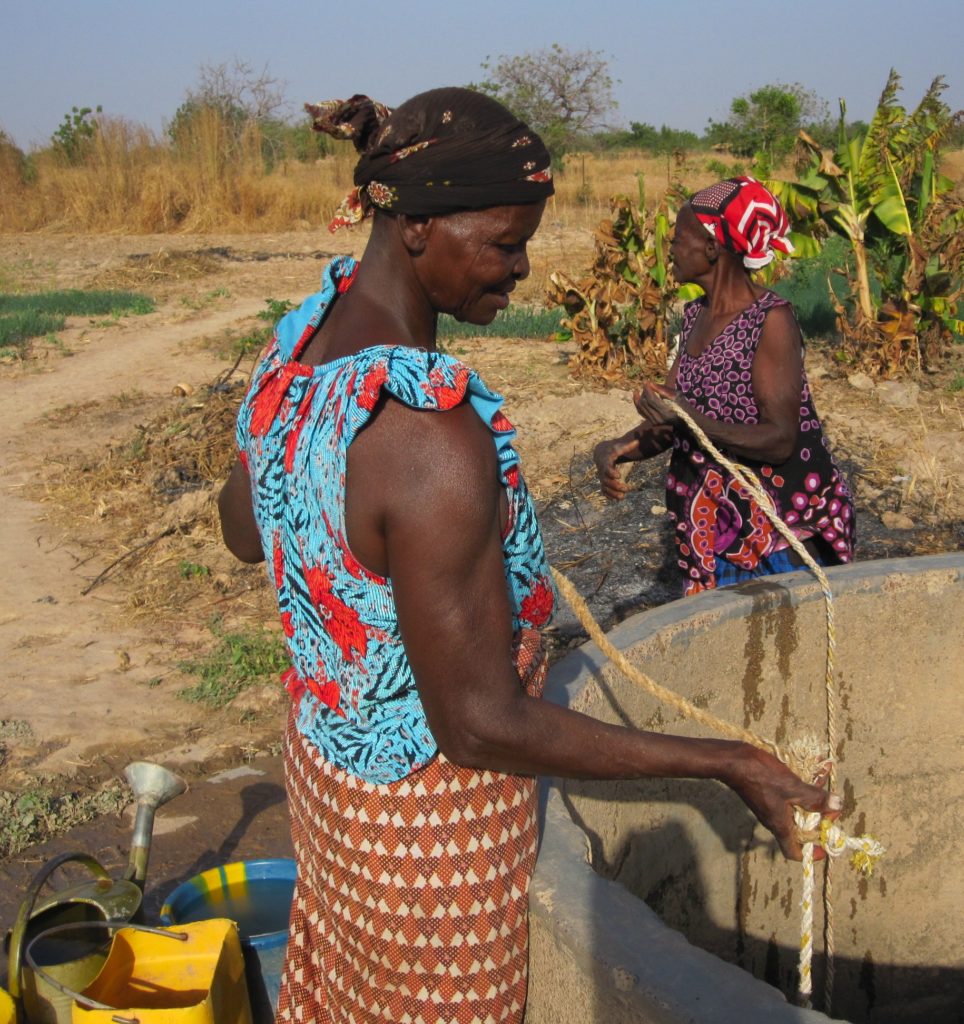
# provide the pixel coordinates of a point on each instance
(803, 759)
(748, 481)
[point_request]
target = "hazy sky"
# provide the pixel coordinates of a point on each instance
(677, 62)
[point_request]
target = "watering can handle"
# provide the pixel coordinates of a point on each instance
(19, 932)
(86, 1001)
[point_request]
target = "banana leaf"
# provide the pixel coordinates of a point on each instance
(849, 221)
(804, 246)
(661, 231)
(888, 202)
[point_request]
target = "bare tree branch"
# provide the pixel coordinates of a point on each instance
(237, 86)
(563, 94)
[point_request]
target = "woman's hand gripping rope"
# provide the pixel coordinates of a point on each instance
(821, 838)
(819, 832)
(755, 782)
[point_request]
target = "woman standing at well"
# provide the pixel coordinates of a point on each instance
(740, 376)
(378, 478)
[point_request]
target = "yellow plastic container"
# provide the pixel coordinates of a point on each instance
(8, 1012)
(257, 895)
(160, 979)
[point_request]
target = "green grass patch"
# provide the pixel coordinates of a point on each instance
(808, 289)
(37, 814)
(18, 329)
(239, 660)
(36, 315)
(514, 322)
(75, 302)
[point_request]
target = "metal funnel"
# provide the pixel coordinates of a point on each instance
(153, 785)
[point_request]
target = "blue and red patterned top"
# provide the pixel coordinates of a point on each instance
(715, 518)
(358, 701)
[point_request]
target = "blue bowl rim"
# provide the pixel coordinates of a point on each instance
(262, 868)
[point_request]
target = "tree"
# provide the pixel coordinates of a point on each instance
(664, 141)
(232, 99)
(767, 121)
(238, 87)
(563, 94)
(73, 138)
(235, 93)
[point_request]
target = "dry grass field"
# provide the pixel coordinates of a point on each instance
(130, 182)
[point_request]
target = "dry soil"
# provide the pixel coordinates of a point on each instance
(90, 641)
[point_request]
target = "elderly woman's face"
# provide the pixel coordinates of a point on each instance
(473, 259)
(689, 246)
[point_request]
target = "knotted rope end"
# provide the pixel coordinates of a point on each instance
(807, 757)
(865, 860)
(865, 850)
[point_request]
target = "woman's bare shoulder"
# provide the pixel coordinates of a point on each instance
(780, 324)
(421, 452)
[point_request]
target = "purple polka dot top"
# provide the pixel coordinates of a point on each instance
(714, 517)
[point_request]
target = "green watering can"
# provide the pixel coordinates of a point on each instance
(72, 956)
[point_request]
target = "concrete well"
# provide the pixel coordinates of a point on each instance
(650, 896)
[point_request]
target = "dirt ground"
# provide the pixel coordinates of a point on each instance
(100, 605)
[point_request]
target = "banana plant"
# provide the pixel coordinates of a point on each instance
(880, 189)
(857, 182)
(927, 277)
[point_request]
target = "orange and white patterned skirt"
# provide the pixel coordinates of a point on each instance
(412, 898)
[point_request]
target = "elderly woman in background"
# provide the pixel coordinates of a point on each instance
(378, 478)
(740, 376)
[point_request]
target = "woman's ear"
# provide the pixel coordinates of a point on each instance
(414, 231)
(712, 250)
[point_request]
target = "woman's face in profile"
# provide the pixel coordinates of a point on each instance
(473, 259)
(688, 247)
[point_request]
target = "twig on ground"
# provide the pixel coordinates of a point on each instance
(103, 575)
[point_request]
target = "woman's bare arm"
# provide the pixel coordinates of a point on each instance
(431, 480)
(642, 442)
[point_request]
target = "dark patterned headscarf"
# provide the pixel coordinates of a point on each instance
(744, 217)
(441, 151)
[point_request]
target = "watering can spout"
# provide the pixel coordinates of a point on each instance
(153, 786)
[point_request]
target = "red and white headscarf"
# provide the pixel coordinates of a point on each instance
(745, 218)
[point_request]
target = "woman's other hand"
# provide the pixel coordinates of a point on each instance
(656, 403)
(607, 456)
(238, 526)
(771, 791)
